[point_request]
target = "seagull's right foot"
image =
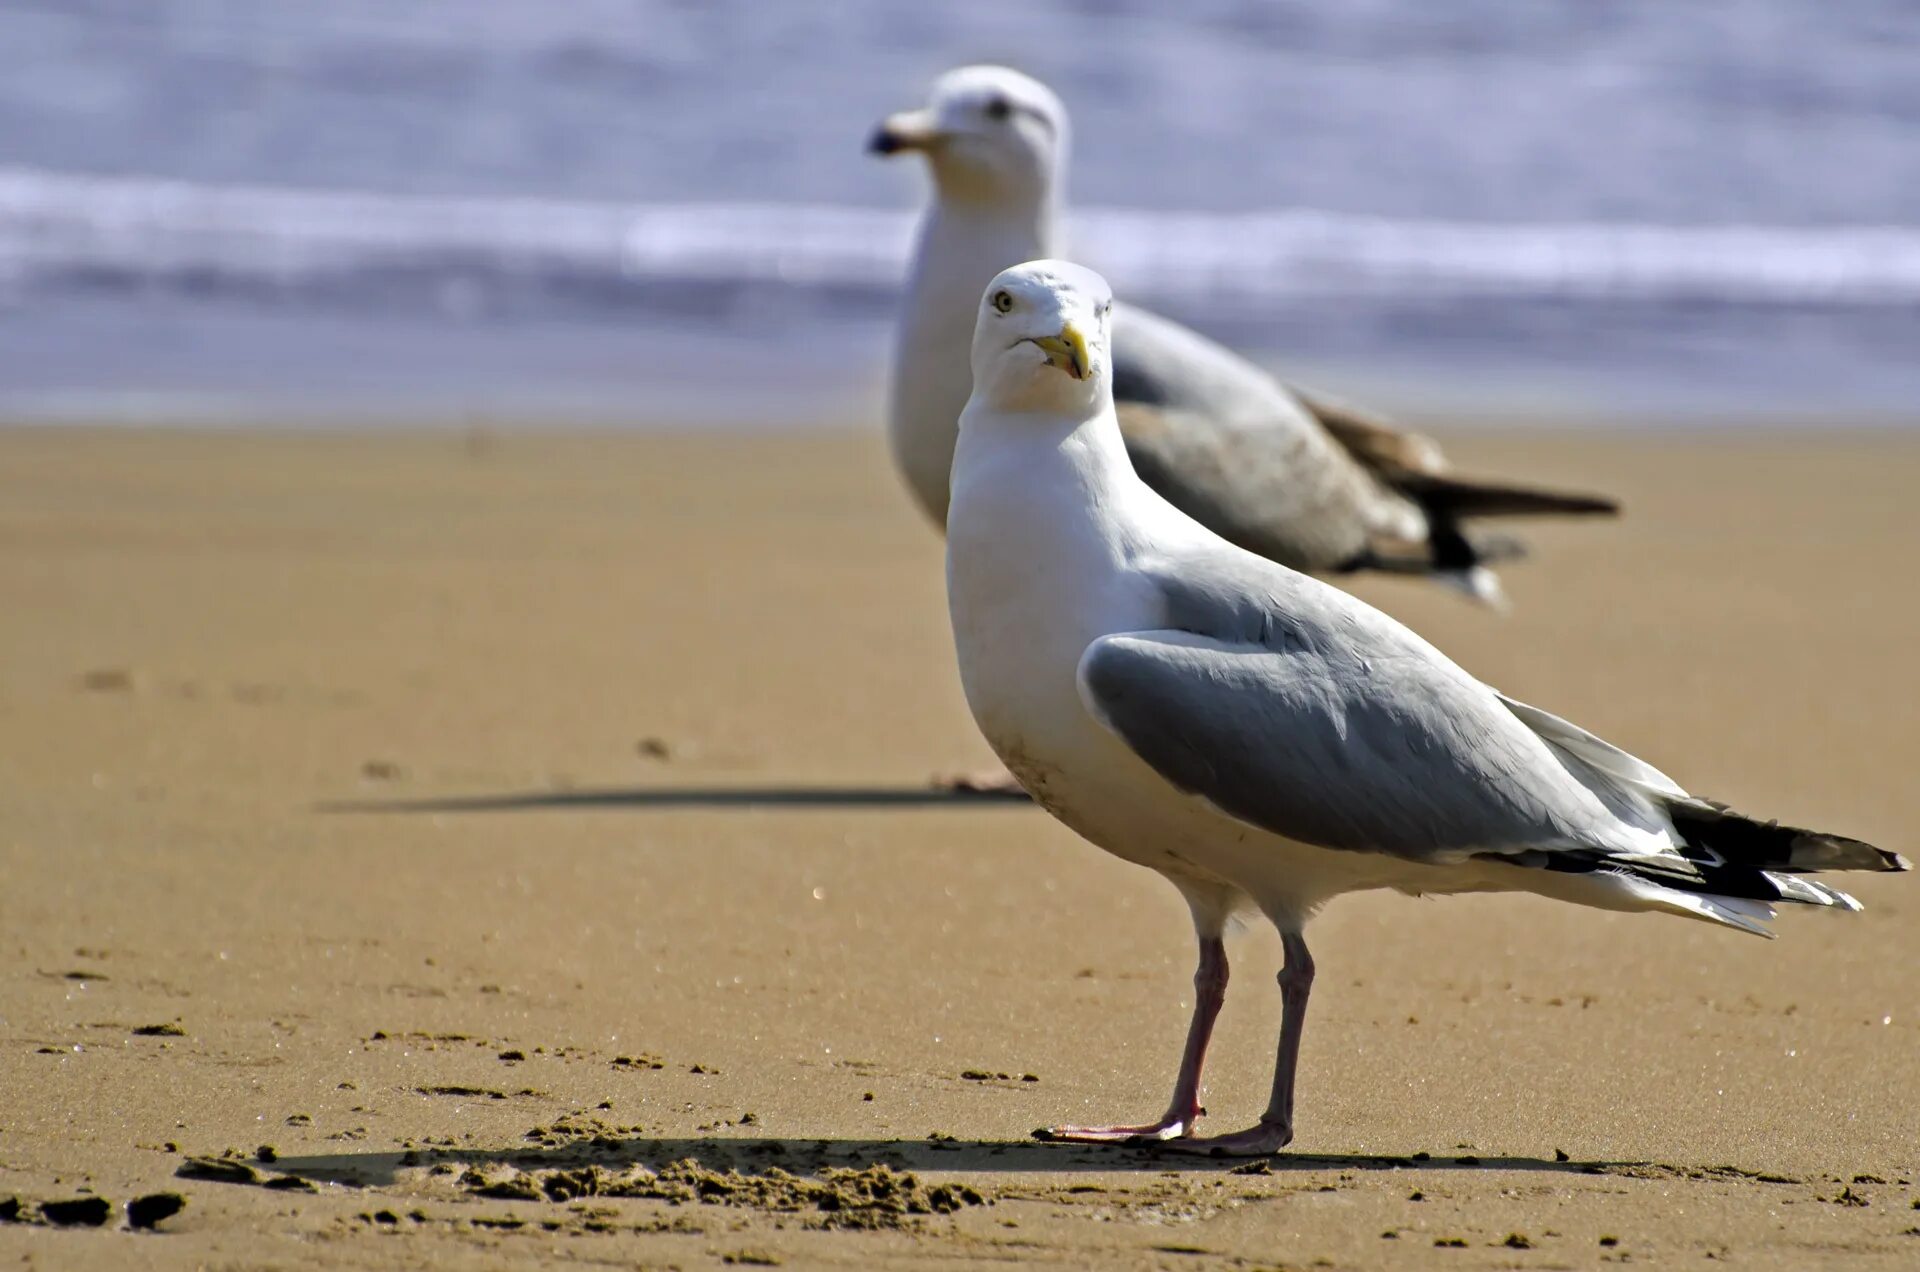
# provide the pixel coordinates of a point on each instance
(1261, 1140)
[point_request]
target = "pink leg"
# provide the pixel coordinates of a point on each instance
(1274, 1131)
(1209, 991)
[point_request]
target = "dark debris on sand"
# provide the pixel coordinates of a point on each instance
(145, 1212)
(80, 1212)
(231, 1170)
(875, 1197)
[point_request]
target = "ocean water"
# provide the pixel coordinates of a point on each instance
(641, 211)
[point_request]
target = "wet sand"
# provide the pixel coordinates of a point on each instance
(478, 826)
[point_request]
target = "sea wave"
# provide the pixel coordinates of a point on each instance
(65, 229)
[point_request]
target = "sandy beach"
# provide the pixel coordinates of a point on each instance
(473, 850)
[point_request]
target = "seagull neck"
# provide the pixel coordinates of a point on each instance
(988, 234)
(1040, 496)
(1087, 450)
(1017, 191)
(1098, 453)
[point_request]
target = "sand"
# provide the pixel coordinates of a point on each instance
(479, 850)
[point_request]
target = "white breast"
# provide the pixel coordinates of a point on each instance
(1030, 585)
(1032, 580)
(1042, 548)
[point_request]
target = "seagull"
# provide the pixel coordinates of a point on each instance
(1264, 740)
(1301, 479)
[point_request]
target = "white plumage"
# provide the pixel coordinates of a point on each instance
(1298, 478)
(1264, 740)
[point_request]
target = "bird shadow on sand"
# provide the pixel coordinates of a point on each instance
(812, 1156)
(645, 798)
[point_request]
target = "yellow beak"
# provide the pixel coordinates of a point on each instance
(1068, 351)
(909, 130)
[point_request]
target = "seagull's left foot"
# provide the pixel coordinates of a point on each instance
(984, 783)
(1169, 1128)
(1261, 1140)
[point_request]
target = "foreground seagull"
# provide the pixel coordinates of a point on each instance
(1301, 480)
(1262, 739)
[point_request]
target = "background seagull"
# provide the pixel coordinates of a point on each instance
(1264, 740)
(1303, 480)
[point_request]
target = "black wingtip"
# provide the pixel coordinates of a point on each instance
(1812, 850)
(1748, 841)
(1451, 496)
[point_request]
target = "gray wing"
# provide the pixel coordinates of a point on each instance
(1227, 444)
(1300, 478)
(1289, 706)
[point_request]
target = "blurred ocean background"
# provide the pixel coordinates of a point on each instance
(637, 211)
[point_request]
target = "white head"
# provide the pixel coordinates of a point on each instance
(1040, 341)
(990, 135)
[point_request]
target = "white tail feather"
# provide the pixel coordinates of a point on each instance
(1598, 754)
(1476, 583)
(1742, 913)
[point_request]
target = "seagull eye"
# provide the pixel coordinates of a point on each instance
(1003, 301)
(999, 108)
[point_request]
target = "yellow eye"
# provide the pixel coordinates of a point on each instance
(1003, 301)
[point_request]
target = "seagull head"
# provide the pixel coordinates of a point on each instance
(989, 134)
(1040, 341)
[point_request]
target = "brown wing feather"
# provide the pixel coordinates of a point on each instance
(1412, 464)
(1380, 447)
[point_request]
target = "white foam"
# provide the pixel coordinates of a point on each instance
(55, 225)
